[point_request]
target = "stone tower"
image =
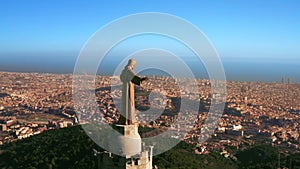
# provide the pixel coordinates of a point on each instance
(129, 144)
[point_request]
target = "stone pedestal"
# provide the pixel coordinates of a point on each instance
(129, 144)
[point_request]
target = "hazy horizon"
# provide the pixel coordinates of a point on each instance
(236, 70)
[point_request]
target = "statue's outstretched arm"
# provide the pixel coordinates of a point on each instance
(137, 80)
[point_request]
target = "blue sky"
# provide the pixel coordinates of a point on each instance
(239, 30)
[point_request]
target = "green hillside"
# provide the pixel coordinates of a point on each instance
(71, 148)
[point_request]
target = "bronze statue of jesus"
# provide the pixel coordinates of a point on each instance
(129, 78)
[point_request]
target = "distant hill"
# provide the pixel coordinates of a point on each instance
(71, 148)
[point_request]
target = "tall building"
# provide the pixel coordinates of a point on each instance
(245, 101)
(282, 80)
(289, 81)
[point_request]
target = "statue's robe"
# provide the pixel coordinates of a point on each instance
(129, 78)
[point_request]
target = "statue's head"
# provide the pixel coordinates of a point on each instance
(131, 63)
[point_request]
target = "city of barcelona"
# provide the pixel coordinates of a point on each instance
(150, 84)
